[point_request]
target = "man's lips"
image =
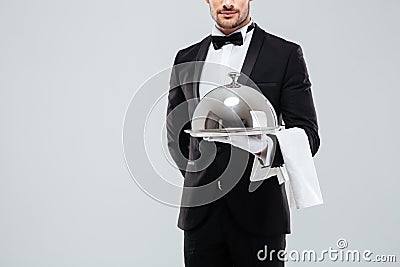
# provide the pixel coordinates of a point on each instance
(228, 14)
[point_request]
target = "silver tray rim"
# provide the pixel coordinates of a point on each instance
(233, 131)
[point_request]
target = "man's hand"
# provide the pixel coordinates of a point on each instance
(258, 145)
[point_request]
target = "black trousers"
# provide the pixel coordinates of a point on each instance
(220, 242)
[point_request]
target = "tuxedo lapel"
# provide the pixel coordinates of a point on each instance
(252, 54)
(200, 58)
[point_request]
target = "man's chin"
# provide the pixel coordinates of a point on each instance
(227, 24)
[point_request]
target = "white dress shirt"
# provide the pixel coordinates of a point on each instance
(219, 63)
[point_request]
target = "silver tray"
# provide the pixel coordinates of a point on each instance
(232, 131)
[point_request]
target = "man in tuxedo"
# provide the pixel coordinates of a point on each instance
(233, 230)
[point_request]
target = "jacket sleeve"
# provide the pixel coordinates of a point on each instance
(177, 121)
(297, 105)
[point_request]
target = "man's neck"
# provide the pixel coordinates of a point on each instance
(230, 30)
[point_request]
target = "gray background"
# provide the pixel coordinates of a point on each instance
(68, 70)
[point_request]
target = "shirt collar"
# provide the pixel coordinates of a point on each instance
(243, 30)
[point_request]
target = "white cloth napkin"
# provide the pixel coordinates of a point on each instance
(302, 184)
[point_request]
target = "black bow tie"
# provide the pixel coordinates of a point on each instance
(235, 38)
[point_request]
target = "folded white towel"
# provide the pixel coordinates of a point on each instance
(300, 167)
(302, 184)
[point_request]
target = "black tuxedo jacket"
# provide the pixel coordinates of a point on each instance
(278, 68)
